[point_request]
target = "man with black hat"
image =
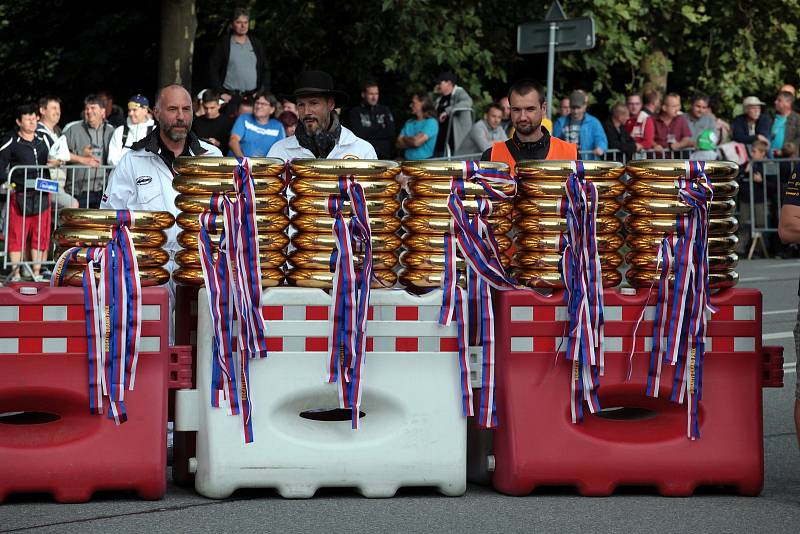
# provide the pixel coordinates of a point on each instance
(452, 106)
(319, 133)
(138, 125)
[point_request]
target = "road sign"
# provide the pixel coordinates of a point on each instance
(571, 34)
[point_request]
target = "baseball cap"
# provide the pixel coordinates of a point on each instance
(577, 99)
(707, 140)
(752, 101)
(138, 101)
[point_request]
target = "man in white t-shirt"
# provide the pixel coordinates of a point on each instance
(138, 125)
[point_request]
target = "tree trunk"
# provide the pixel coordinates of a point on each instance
(178, 27)
(655, 67)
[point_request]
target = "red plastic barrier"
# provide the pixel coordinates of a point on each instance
(773, 367)
(49, 442)
(536, 443)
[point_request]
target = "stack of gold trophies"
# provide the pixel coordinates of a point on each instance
(653, 203)
(540, 222)
(201, 177)
(427, 219)
(314, 182)
(95, 228)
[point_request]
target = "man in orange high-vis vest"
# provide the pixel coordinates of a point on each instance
(530, 140)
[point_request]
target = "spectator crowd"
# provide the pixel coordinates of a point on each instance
(241, 117)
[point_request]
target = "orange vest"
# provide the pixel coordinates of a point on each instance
(558, 150)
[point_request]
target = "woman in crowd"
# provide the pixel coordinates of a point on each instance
(255, 133)
(418, 136)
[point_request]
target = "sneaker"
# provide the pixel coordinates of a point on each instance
(15, 278)
(38, 278)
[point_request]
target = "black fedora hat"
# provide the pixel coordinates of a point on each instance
(316, 82)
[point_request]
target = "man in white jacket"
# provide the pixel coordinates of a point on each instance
(143, 178)
(138, 125)
(319, 133)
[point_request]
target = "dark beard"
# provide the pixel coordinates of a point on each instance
(322, 142)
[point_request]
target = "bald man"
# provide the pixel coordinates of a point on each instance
(143, 178)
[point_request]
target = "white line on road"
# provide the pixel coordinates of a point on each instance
(783, 265)
(755, 279)
(789, 368)
(778, 335)
(779, 312)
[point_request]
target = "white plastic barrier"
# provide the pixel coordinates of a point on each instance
(412, 433)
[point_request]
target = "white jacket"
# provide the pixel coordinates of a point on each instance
(117, 148)
(142, 181)
(348, 147)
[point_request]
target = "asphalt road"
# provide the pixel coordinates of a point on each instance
(481, 510)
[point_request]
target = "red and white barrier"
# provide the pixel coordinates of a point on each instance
(412, 432)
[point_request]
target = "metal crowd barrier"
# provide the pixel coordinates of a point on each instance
(448, 149)
(763, 205)
(66, 186)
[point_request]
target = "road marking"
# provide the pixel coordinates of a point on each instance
(778, 335)
(755, 279)
(783, 265)
(789, 368)
(779, 312)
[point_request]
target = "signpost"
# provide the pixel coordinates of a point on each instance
(555, 33)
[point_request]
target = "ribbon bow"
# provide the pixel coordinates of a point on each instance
(233, 280)
(113, 316)
(476, 242)
(679, 333)
(350, 294)
(583, 280)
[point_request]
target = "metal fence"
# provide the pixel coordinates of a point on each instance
(59, 187)
(760, 207)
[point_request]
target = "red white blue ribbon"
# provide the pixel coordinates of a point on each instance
(583, 281)
(350, 294)
(233, 281)
(679, 331)
(113, 316)
(473, 238)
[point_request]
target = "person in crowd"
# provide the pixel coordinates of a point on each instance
(563, 107)
(29, 210)
(238, 64)
(651, 102)
(451, 111)
(288, 105)
(88, 141)
(754, 168)
(320, 133)
(671, 129)
(253, 134)
(417, 139)
(484, 132)
(289, 121)
(373, 122)
(138, 125)
(47, 128)
(506, 122)
(700, 117)
(785, 125)
(752, 124)
(706, 146)
(639, 124)
(113, 113)
(581, 128)
(531, 140)
(245, 106)
(616, 133)
(212, 126)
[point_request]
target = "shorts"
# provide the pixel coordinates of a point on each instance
(797, 354)
(37, 228)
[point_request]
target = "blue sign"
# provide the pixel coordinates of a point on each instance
(46, 186)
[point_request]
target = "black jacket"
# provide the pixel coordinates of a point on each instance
(374, 124)
(218, 63)
(741, 133)
(14, 151)
(619, 138)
